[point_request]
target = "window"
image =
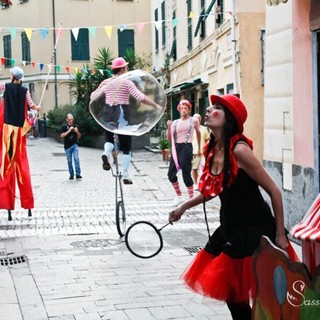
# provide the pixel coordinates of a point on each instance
(189, 9)
(229, 88)
(163, 26)
(7, 50)
(203, 21)
(80, 47)
(125, 41)
(156, 17)
(173, 52)
(219, 16)
(201, 25)
(23, 1)
(25, 45)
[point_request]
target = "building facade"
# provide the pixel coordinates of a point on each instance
(291, 104)
(67, 35)
(213, 47)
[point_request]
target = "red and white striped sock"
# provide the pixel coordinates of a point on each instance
(190, 191)
(176, 188)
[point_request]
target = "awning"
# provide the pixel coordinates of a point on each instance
(185, 85)
(309, 228)
(275, 2)
(203, 16)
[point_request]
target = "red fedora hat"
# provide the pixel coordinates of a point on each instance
(234, 105)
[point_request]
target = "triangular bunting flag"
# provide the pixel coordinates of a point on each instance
(68, 69)
(191, 15)
(13, 32)
(93, 71)
(24, 63)
(76, 70)
(59, 33)
(58, 68)
(33, 64)
(28, 32)
(3, 61)
(175, 22)
(92, 31)
(41, 66)
(140, 27)
(44, 33)
(75, 32)
(13, 62)
(122, 27)
(101, 71)
(108, 30)
(158, 24)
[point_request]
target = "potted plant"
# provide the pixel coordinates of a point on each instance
(164, 146)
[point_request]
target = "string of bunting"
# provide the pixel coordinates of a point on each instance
(68, 69)
(92, 30)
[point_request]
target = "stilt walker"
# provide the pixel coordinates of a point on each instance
(14, 125)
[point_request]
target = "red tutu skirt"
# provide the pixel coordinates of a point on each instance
(224, 278)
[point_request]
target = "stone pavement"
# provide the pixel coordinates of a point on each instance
(67, 260)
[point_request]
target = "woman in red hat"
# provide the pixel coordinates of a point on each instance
(223, 270)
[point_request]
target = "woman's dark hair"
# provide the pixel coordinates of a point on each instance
(230, 129)
(116, 71)
(15, 79)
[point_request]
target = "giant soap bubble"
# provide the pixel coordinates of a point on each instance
(130, 104)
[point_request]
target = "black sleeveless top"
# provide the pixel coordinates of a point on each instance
(244, 218)
(14, 104)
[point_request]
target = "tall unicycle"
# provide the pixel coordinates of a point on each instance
(120, 208)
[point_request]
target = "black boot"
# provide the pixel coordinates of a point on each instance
(239, 311)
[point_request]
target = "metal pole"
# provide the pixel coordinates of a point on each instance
(234, 49)
(54, 54)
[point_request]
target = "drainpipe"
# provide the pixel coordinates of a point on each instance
(234, 49)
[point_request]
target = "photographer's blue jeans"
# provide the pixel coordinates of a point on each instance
(73, 152)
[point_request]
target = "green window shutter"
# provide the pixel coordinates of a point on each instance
(173, 52)
(163, 26)
(156, 32)
(7, 50)
(80, 48)
(125, 41)
(189, 8)
(25, 45)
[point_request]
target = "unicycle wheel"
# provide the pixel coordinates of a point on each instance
(121, 218)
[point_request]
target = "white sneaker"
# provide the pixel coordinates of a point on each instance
(178, 200)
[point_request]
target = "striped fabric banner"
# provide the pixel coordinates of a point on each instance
(309, 228)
